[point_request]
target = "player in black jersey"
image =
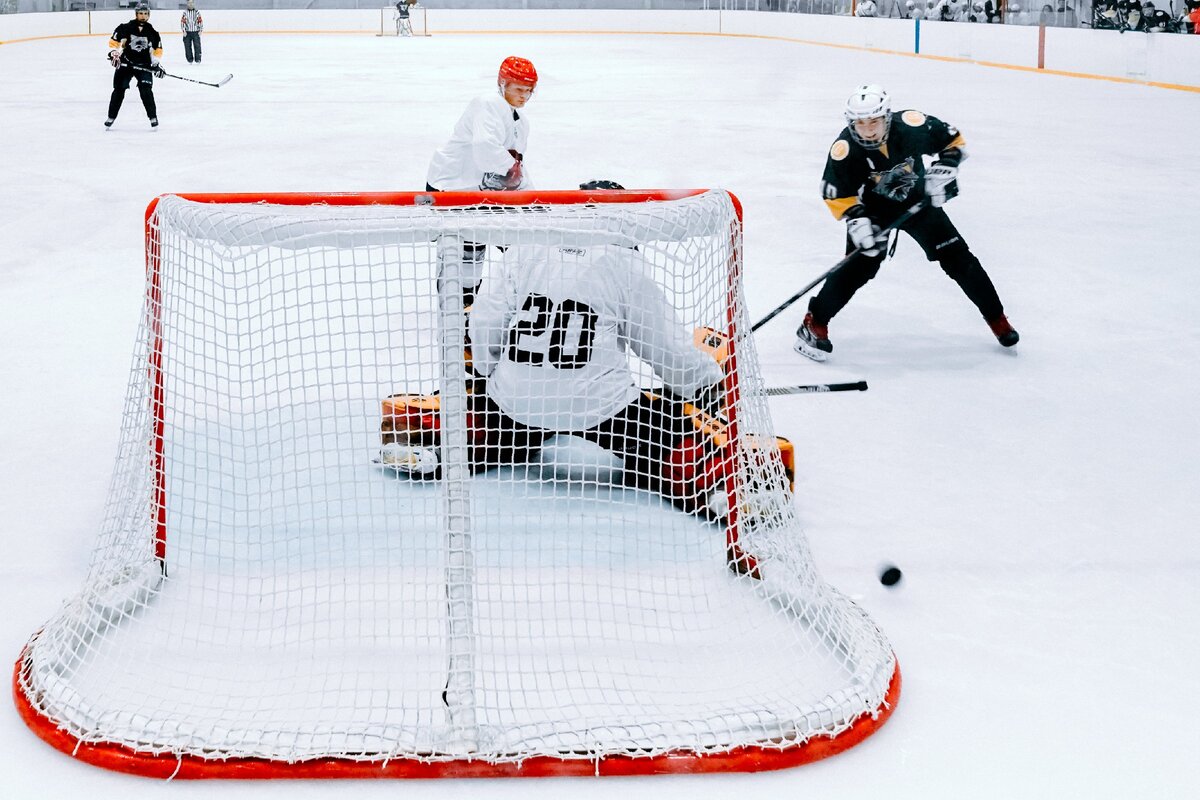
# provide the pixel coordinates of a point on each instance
(874, 173)
(135, 50)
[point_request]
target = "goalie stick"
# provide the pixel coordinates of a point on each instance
(816, 388)
(165, 74)
(903, 218)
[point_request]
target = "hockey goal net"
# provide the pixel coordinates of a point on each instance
(393, 23)
(270, 597)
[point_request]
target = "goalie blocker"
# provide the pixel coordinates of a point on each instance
(696, 468)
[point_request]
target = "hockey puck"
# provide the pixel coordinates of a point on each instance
(890, 575)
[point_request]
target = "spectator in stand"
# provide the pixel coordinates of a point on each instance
(1063, 17)
(1014, 14)
(1128, 14)
(1190, 21)
(1106, 15)
(192, 25)
(993, 11)
(1156, 21)
(949, 11)
(912, 10)
(866, 8)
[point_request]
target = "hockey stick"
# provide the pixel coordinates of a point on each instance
(216, 85)
(903, 218)
(816, 388)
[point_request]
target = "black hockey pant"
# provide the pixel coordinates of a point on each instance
(191, 46)
(642, 435)
(145, 82)
(941, 241)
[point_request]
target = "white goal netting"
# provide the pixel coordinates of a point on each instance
(393, 22)
(329, 537)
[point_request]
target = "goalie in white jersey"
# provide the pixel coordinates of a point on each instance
(552, 330)
(552, 333)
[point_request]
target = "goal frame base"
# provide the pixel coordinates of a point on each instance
(750, 758)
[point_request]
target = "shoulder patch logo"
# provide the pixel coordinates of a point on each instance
(913, 118)
(840, 149)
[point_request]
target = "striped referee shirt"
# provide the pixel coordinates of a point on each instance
(191, 21)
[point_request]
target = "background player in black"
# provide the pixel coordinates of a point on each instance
(135, 44)
(874, 172)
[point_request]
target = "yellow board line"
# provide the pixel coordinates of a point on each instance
(1181, 87)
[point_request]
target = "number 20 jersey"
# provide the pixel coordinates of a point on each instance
(552, 327)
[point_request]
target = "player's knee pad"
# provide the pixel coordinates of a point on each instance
(959, 262)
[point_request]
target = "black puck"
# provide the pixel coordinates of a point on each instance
(890, 575)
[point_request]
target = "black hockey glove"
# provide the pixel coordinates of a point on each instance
(158, 71)
(114, 58)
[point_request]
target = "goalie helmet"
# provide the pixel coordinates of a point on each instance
(517, 70)
(590, 186)
(867, 102)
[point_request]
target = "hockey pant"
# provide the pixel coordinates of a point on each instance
(643, 435)
(145, 83)
(473, 255)
(191, 46)
(941, 241)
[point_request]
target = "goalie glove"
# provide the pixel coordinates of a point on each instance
(865, 235)
(941, 183)
(114, 58)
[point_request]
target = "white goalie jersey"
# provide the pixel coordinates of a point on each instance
(552, 328)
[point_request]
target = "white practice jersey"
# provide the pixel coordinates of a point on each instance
(484, 134)
(552, 328)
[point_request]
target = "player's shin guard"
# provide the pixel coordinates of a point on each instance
(965, 270)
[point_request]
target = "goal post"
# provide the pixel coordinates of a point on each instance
(271, 597)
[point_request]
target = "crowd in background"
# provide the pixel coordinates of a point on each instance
(1175, 16)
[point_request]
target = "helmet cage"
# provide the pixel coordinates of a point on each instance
(869, 102)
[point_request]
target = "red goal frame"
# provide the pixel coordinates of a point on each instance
(120, 758)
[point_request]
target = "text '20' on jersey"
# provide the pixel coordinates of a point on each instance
(550, 329)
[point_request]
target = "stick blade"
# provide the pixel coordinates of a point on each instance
(225, 80)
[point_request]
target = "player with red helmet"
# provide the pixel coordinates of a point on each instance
(486, 151)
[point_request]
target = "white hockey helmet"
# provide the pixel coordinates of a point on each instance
(870, 101)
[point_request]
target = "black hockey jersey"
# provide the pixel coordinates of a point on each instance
(139, 40)
(886, 181)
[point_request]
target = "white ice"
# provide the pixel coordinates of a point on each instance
(1038, 500)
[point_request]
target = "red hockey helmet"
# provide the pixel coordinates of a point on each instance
(517, 70)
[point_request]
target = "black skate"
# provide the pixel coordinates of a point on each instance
(154, 122)
(812, 340)
(1005, 333)
(109, 122)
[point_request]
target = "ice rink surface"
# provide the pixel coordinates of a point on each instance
(1042, 502)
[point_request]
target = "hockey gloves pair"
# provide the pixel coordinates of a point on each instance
(155, 68)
